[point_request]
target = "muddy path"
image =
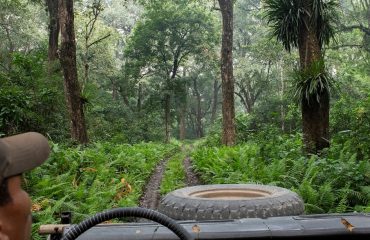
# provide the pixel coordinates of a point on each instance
(192, 179)
(151, 195)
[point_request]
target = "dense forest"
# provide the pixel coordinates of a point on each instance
(265, 91)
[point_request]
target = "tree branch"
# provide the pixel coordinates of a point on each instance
(241, 97)
(345, 45)
(360, 27)
(99, 40)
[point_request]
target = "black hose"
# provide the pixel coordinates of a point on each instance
(80, 228)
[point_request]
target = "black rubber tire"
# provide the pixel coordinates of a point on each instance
(180, 205)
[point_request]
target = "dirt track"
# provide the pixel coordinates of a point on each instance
(192, 178)
(151, 196)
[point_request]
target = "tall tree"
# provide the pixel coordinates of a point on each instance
(307, 25)
(54, 28)
(68, 61)
(251, 85)
(93, 12)
(228, 108)
(167, 35)
(215, 101)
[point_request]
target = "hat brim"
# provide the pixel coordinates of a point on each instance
(21, 153)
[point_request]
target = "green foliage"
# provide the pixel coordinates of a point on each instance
(261, 123)
(288, 18)
(88, 180)
(174, 177)
(14, 109)
(311, 82)
(169, 31)
(351, 121)
(28, 100)
(336, 181)
(167, 38)
(114, 122)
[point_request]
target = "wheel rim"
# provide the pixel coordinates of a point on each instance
(230, 194)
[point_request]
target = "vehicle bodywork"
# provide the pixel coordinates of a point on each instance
(328, 226)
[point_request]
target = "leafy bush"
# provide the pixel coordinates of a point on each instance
(351, 121)
(29, 101)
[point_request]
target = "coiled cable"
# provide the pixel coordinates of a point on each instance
(80, 228)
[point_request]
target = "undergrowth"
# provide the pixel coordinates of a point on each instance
(86, 180)
(336, 181)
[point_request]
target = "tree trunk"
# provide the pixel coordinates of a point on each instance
(167, 101)
(94, 13)
(228, 110)
(282, 91)
(315, 118)
(167, 112)
(315, 114)
(114, 89)
(183, 110)
(246, 98)
(85, 76)
(68, 62)
(53, 6)
(215, 101)
(139, 97)
(199, 127)
(10, 48)
(182, 123)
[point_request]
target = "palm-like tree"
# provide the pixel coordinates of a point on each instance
(307, 24)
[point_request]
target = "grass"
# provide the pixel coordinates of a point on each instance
(174, 176)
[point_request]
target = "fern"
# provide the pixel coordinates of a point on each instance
(356, 197)
(366, 192)
(307, 192)
(312, 209)
(312, 170)
(326, 197)
(342, 205)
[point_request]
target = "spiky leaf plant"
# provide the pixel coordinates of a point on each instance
(307, 24)
(312, 81)
(288, 17)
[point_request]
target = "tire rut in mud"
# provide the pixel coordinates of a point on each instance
(192, 179)
(151, 195)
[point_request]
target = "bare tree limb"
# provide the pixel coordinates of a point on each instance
(360, 27)
(346, 45)
(99, 40)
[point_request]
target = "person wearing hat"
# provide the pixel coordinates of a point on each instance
(18, 154)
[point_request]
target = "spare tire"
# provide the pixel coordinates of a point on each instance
(230, 201)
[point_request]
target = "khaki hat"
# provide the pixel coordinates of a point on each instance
(21, 153)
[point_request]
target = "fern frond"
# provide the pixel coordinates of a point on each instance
(312, 209)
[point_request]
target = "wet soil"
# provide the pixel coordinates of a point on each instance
(192, 179)
(151, 196)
